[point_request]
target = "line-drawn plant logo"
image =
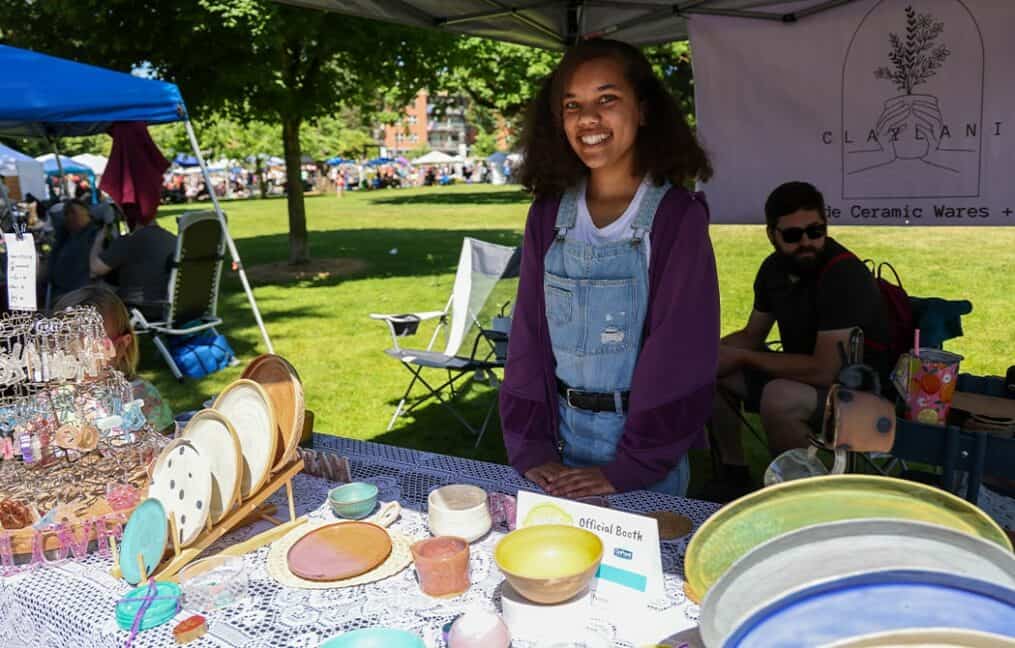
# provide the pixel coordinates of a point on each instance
(915, 58)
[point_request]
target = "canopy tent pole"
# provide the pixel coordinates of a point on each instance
(61, 181)
(233, 252)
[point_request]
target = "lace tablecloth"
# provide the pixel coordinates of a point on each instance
(72, 603)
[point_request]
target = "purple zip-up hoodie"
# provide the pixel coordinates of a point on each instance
(674, 378)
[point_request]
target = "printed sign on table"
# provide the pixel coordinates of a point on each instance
(631, 572)
(21, 267)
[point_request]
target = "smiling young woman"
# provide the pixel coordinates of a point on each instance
(613, 347)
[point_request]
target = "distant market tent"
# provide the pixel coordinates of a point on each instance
(50, 97)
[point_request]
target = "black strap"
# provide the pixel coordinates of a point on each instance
(591, 401)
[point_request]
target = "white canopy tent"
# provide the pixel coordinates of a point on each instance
(435, 157)
(554, 24)
(29, 172)
(96, 163)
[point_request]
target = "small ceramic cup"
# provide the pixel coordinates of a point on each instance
(459, 510)
(353, 501)
(442, 564)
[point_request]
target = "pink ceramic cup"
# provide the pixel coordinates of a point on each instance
(442, 564)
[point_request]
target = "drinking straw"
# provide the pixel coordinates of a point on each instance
(916, 343)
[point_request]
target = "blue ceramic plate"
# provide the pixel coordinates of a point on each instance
(375, 638)
(146, 533)
(853, 606)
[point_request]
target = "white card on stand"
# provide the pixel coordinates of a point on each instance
(21, 269)
(631, 572)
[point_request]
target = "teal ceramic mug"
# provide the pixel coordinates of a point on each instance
(353, 501)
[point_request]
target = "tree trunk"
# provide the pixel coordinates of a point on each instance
(262, 178)
(299, 251)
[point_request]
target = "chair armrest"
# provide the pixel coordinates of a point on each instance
(406, 324)
(403, 317)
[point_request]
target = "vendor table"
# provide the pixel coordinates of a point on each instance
(72, 603)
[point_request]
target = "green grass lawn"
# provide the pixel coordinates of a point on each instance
(410, 239)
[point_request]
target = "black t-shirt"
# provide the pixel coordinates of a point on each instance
(842, 295)
(143, 258)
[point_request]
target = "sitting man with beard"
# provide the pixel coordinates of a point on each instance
(817, 292)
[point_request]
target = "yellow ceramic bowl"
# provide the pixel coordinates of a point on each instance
(549, 563)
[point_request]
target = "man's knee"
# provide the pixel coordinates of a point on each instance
(788, 399)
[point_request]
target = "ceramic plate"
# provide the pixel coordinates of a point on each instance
(836, 549)
(145, 533)
(338, 551)
(920, 638)
(374, 638)
(745, 523)
(878, 602)
(214, 437)
(181, 480)
(249, 409)
(282, 384)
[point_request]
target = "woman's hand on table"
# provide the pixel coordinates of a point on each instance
(545, 474)
(580, 482)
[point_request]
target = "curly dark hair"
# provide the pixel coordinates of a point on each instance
(665, 147)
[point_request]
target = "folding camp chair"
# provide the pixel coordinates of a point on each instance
(480, 266)
(192, 306)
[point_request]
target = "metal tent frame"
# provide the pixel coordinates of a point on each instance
(557, 24)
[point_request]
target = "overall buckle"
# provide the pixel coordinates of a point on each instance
(567, 397)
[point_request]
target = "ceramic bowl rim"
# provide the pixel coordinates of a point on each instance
(458, 511)
(591, 565)
(332, 500)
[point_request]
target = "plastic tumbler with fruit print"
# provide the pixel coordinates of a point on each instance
(927, 379)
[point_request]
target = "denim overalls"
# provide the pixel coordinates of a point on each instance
(596, 301)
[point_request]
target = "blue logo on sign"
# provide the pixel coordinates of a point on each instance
(623, 553)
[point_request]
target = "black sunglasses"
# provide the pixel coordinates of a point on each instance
(794, 234)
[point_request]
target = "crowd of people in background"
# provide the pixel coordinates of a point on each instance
(188, 185)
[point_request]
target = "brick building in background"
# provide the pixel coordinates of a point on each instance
(438, 121)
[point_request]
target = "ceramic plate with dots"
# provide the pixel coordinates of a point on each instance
(249, 409)
(282, 384)
(182, 481)
(214, 437)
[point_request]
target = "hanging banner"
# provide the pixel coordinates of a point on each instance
(899, 111)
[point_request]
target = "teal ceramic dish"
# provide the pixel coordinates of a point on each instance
(353, 501)
(145, 534)
(375, 638)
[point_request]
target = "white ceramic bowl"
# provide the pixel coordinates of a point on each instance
(459, 510)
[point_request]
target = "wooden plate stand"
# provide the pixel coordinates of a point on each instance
(253, 507)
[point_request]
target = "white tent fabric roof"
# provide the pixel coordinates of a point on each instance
(96, 163)
(434, 157)
(9, 159)
(553, 24)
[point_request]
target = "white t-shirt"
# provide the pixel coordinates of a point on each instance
(585, 231)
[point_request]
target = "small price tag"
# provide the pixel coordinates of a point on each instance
(21, 268)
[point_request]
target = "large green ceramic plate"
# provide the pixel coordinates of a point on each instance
(745, 523)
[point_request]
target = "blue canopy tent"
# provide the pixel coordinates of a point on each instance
(184, 160)
(58, 166)
(45, 96)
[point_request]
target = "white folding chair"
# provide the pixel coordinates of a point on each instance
(480, 266)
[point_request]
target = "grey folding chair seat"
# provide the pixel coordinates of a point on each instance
(193, 284)
(480, 266)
